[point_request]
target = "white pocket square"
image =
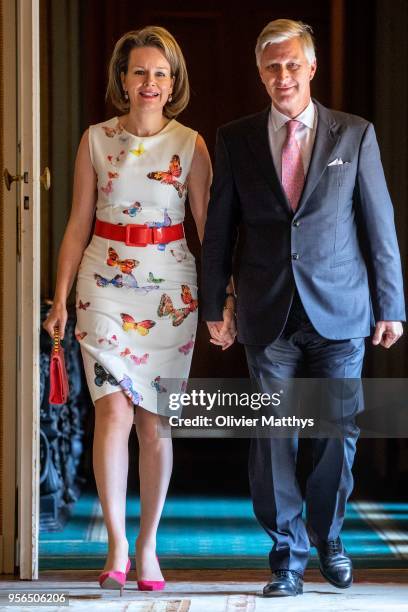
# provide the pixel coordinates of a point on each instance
(337, 162)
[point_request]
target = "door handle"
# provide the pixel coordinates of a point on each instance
(45, 178)
(9, 179)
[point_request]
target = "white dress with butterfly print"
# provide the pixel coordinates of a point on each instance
(137, 306)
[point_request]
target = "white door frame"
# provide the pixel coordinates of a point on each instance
(28, 274)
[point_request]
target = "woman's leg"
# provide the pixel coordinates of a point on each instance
(113, 423)
(155, 465)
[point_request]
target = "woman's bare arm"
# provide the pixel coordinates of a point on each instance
(199, 183)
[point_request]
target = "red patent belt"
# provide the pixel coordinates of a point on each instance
(139, 235)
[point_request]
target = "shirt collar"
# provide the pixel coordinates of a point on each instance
(306, 117)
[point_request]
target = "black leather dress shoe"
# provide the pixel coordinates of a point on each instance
(335, 564)
(284, 583)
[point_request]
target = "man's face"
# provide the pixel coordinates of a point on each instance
(286, 74)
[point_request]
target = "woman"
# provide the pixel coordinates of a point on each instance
(137, 286)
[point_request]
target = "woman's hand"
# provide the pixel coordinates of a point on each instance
(57, 317)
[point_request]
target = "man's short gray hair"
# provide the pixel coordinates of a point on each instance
(280, 30)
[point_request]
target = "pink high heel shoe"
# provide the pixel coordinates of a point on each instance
(151, 585)
(114, 579)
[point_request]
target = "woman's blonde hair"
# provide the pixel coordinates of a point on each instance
(149, 36)
(280, 30)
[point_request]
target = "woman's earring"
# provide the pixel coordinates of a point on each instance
(169, 99)
(126, 96)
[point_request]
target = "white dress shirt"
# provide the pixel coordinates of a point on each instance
(305, 135)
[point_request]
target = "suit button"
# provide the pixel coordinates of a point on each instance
(296, 223)
(295, 255)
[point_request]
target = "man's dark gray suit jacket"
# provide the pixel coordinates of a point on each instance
(340, 247)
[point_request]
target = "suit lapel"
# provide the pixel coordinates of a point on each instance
(258, 141)
(327, 136)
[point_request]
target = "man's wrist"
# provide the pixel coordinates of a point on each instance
(229, 303)
(231, 308)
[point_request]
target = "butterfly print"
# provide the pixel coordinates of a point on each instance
(137, 360)
(186, 348)
(178, 315)
(116, 281)
(113, 340)
(165, 223)
(140, 360)
(179, 254)
(127, 386)
(142, 327)
(126, 265)
(133, 210)
(107, 188)
(152, 279)
(131, 283)
(139, 151)
(83, 306)
(166, 309)
(101, 376)
(156, 385)
(109, 132)
(170, 176)
(116, 159)
(80, 335)
(187, 298)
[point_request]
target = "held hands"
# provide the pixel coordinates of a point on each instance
(57, 317)
(387, 333)
(223, 332)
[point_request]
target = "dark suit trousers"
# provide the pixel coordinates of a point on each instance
(276, 495)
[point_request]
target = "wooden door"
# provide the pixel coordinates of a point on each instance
(9, 214)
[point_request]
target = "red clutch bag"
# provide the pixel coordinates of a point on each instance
(59, 387)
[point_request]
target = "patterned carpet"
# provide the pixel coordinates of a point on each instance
(214, 533)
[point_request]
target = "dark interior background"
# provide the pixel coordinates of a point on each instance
(362, 56)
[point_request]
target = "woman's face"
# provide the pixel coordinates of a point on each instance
(148, 80)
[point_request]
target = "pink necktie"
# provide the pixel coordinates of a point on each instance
(293, 176)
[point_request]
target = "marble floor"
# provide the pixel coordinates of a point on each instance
(219, 591)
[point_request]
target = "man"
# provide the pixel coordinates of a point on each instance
(317, 266)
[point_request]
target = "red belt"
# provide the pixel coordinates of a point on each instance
(139, 235)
